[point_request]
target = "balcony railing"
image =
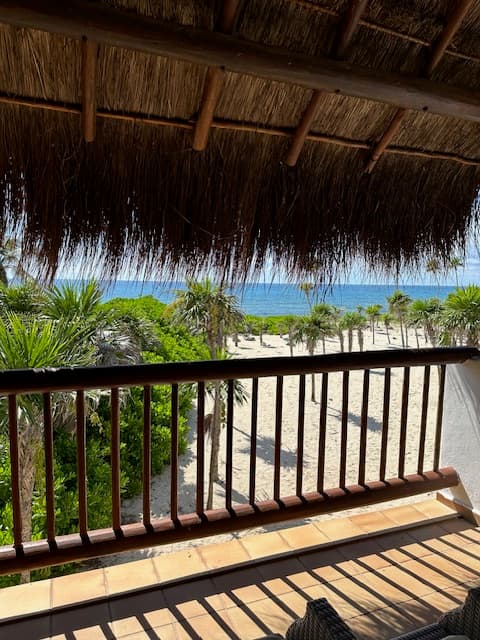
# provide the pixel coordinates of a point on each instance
(350, 477)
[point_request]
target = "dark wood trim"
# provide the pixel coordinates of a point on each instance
(447, 35)
(438, 51)
(214, 81)
(83, 378)
(89, 88)
(165, 531)
(232, 125)
(347, 29)
(386, 138)
(348, 26)
(79, 19)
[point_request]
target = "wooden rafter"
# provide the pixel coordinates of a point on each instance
(347, 29)
(102, 24)
(438, 50)
(233, 125)
(89, 86)
(214, 82)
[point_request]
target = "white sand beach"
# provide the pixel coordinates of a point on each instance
(278, 346)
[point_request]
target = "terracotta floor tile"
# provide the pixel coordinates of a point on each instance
(450, 568)
(344, 606)
(179, 564)
(304, 536)
(372, 521)
(406, 514)
(295, 602)
(417, 549)
(276, 619)
(224, 554)
(236, 579)
(426, 571)
(249, 594)
(239, 619)
(413, 585)
(374, 561)
(392, 592)
(207, 627)
(25, 598)
(339, 529)
(280, 568)
(78, 587)
(219, 601)
(78, 622)
(265, 544)
(444, 601)
(149, 606)
(358, 594)
(457, 525)
(129, 576)
(189, 609)
(277, 586)
(139, 635)
(356, 550)
(302, 579)
(433, 508)
(177, 594)
(173, 631)
(29, 629)
(350, 568)
(126, 626)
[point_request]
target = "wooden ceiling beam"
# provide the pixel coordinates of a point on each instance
(214, 82)
(439, 48)
(79, 18)
(348, 27)
(89, 89)
(231, 125)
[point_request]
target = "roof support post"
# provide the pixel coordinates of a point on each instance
(213, 82)
(439, 49)
(346, 31)
(89, 88)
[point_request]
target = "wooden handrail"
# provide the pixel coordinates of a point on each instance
(82, 378)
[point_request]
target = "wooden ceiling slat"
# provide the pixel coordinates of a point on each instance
(130, 31)
(89, 88)
(214, 82)
(346, 31)
(439, 48)
(232, 125)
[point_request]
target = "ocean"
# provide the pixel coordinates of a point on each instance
(280, 299)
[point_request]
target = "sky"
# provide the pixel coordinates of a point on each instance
(468, 274)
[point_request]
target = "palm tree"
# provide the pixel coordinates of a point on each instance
(373, 314)
(348, 322)
(398, 306)
(208, 310)
(36, 343)
(387, 319)
(312, 328)
(455, 263)
(461, 316)
(426, 313)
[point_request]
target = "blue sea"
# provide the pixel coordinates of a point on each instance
(281, 299)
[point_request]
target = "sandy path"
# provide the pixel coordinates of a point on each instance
(277, 346)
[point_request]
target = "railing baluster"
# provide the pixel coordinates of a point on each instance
(82, 466)
(174, 455)
(229, 461)
(423, 421)
(300, 433)
(115, 459)
(15, 472)
(200, 503)
(147, 455)
(438, 427)
(363, 428)
(253, 441)
(278, 438)
(49, 469)
(403, 422)
(322, 434)
(385, 422)
(344, 431)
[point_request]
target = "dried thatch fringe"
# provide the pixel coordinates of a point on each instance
(139, 195)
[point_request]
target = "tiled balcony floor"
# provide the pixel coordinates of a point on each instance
(382, 585)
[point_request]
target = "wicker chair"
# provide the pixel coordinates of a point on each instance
(321, 622)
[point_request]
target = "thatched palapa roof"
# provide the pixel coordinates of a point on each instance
(200, 133)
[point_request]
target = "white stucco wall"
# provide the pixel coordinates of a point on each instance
(461, 432)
